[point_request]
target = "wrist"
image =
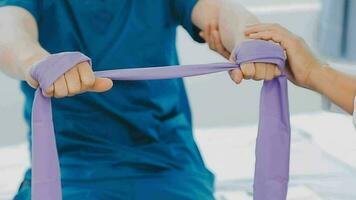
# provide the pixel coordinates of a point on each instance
(28, 64)
(28, 61)
(320, 77)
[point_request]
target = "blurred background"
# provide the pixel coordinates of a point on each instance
(323, 159)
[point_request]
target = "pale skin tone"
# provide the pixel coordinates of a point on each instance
(304, 69)
(255, 71)
(222, 23)
(20, 49)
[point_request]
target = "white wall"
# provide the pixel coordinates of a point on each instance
(215, 100)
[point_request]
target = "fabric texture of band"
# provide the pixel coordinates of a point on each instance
(273, 140)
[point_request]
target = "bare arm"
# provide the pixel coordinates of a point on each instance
(338, 87)
(20, 49)
(231, 20)
(19, 46)
(231, 17)
(305, 69)
(223, 23)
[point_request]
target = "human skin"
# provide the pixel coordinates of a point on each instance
(304, 69)
(222, 23)
(20, 48)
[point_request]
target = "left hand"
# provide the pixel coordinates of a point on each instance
(255, 71)
(75, 81)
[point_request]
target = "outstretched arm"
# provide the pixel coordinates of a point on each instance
(223, 23)
(20, 49)
(19, 46)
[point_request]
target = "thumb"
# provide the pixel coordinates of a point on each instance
(102, 85)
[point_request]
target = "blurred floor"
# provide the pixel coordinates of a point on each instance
(323, 159)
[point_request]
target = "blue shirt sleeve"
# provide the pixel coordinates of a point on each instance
(182, 10)
(29, 5)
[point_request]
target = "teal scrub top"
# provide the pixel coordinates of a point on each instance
(138, 128)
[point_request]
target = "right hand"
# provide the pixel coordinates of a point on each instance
(301, 61)
(77, 80)
(255, 71)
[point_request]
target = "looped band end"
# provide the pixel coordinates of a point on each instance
(260, 51)
(48, 70)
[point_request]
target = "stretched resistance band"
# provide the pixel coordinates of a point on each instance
(273, 140)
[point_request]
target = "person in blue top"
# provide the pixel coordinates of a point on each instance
(128, 139)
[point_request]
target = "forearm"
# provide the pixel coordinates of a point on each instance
(19, 46)
(231, 16)
(338, 87)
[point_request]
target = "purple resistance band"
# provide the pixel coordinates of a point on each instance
(273, 140)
